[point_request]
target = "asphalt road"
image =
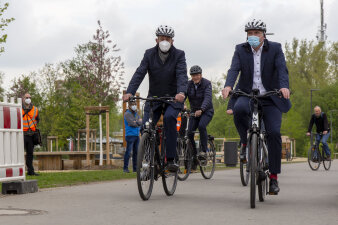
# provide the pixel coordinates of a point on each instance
(306, 197)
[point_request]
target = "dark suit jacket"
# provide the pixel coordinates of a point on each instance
(274, 72)
(165, 79)
(202, 97)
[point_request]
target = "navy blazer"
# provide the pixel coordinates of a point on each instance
(202, 97)
(274, 72)
(165, 79)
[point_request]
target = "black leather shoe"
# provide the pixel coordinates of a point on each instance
(33, 174)
(172, 166)
(274, 189)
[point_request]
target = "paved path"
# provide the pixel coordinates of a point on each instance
(306, 197)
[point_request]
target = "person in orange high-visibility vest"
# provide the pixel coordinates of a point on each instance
(30, 118)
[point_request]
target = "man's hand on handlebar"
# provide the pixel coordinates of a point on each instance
(230, 112)
(225, 91)
(325, 132)
(285, 92)
(180, 97)
(308, 133)
(126, 97)
(198, 113)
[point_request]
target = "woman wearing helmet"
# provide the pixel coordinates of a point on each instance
(200, 99)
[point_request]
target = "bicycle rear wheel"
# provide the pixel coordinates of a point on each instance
(313, 158)
(208, 169)
(326, 163)
(184, 150)
(244, 172)
(145, 169)
(253, 170)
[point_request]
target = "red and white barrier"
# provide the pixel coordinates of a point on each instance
(12, 161)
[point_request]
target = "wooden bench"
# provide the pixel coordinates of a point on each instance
(53, 160)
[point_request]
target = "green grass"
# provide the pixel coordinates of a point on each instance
(59, 179)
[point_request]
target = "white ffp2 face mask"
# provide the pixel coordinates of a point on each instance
(134, 108)
(28, 101)
(164, 46)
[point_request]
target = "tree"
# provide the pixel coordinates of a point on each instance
(26, 84)
(3, 23)
(96, 68)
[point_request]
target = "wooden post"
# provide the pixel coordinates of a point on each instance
(107, 138)
(95, 140)
(87, 138)
(78, 141)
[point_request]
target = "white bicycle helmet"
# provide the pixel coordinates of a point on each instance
(255, 25)
(165, 30)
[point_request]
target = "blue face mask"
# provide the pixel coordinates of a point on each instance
(254, 41)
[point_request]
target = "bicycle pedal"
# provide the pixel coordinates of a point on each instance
(272, 193)
(185, 171)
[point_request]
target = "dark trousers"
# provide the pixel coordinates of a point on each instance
(132, 145)
(169, 123)
(201, 123)
(272, 118)
(29, 147)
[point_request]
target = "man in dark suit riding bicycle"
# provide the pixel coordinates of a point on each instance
(262, 66)
(167, 70)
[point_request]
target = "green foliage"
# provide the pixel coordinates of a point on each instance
(3, 23)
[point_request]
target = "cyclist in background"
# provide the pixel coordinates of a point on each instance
(322, 125)
(200, 98)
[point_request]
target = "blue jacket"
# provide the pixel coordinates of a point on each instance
(274, 72)
(131, 123)
(202, 97)
(165, 79)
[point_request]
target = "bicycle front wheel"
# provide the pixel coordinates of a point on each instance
(326, 163)
(184, 151)
(145, 169)
(313, 158)
(208, 169)
(253, 169)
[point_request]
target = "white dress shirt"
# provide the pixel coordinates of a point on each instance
(257, 77)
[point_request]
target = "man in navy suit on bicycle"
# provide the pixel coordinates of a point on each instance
(262, 66)
(167, 70)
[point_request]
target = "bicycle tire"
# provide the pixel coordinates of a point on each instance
(326, 163)
(245, 175)
(262, 184)
(253, 169)
(184, 160)
(169, 179)
(145, 170)
(313, 163)
(208, 170)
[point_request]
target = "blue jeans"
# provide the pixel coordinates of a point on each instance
(132, 145)
(325, 145)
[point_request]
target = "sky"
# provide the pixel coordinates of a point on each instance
(47, 31)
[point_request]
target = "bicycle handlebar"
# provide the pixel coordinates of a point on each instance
(154, 99)
(254, 94)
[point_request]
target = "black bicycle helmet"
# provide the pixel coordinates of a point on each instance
(165, 30)
(195, 70)
(255, 25)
